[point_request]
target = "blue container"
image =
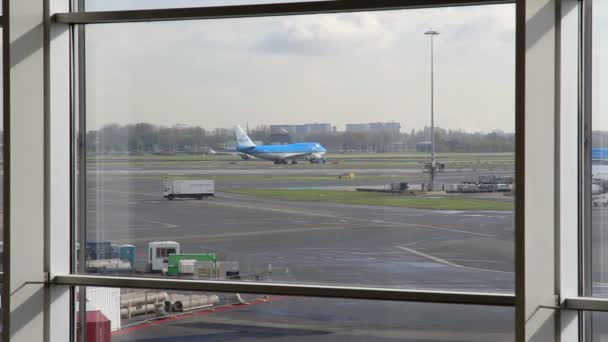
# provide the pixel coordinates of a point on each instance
(99, 250)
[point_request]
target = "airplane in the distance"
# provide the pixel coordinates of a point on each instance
(599, 176)
(279, 154)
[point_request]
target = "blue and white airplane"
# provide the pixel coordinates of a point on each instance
(279, 154)
(599, 175)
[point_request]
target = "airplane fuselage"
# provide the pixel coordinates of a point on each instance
(309, 150)
(599, 171)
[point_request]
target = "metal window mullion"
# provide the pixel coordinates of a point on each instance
(585, 239)
(79, 188)
(288, 289)
(258, 10)
(6, 165)
(586, 146)
(568, 145)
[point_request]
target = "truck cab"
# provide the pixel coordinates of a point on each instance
(158, 254)
(167, 189)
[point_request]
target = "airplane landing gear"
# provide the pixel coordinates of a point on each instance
(294, 162)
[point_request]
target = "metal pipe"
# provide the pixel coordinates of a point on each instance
(131, 311)
(139, 299)
(195, 302)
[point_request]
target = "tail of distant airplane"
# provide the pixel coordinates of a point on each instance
(242, 139)
(599, 154)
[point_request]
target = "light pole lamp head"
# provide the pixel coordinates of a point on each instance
(431, 32)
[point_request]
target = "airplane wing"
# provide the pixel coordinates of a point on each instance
(244, 156)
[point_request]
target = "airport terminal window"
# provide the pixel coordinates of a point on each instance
(298, 149)
(599, 153)
(191, 316)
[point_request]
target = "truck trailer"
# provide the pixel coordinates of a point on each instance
(184, 188)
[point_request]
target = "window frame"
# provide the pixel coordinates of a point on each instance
(78, 19)
(5, 69)
(534, 47)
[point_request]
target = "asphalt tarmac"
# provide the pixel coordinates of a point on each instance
(314, 243)
(287, 319)
(311, 242)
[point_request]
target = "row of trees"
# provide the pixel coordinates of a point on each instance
(146, 138)
(149, 138)
(445, 141)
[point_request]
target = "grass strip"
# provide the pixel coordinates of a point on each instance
(380, 199)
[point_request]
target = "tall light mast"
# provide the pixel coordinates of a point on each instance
(433, 169)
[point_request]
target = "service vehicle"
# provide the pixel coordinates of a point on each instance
(158, 255)
(188, 188)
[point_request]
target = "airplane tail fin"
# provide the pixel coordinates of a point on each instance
(242, 139)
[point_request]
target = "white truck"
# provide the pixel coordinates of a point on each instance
(184, 188)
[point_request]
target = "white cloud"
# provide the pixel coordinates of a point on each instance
(339, 68)
(600, 65)
(329, 34)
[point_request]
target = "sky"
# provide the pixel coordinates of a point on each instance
(600, 65)
(336, 68)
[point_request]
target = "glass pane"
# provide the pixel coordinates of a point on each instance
(298, 149)
(599, 326)
(117, 5)
(120, 314)
(599, 215)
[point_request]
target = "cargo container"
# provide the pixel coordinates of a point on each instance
(187, 263)
(107, 301)
(97, 327)
(228, 270)
(109, 266)
(97, 250)
(188, 189)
